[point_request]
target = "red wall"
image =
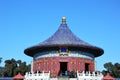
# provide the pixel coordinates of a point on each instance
(53, 64)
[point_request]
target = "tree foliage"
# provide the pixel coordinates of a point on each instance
(12, 67)
(0, 59)
(112, 69)
(1, 69)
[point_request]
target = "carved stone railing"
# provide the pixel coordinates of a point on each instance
(80, 76)
(89, 76)
(37, 76)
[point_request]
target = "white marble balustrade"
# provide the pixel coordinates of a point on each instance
(37, 76)
(89, 76)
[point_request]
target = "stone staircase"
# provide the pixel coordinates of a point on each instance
(63, 78)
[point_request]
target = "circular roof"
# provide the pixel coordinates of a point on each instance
(64, 37)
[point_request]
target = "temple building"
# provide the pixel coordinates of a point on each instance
(63, 51)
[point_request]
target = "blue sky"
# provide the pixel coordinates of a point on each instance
(24, 23)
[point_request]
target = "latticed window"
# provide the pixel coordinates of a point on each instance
(80, 66)
(53, 66)
(46, 66)
(39, 65)
(73, 66)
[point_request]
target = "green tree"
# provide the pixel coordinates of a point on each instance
(0, 59)
(12, 67)
(113, 69)
(1, 69)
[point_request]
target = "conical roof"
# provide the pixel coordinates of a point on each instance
(18, 76)
(64, 37)
(108, 77)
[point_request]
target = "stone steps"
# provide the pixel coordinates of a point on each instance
(63, 78)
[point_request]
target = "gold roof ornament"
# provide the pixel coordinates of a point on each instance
(63, 20)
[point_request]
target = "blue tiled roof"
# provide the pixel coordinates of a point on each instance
(64, 37)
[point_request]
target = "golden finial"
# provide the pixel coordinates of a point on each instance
(63, 20)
